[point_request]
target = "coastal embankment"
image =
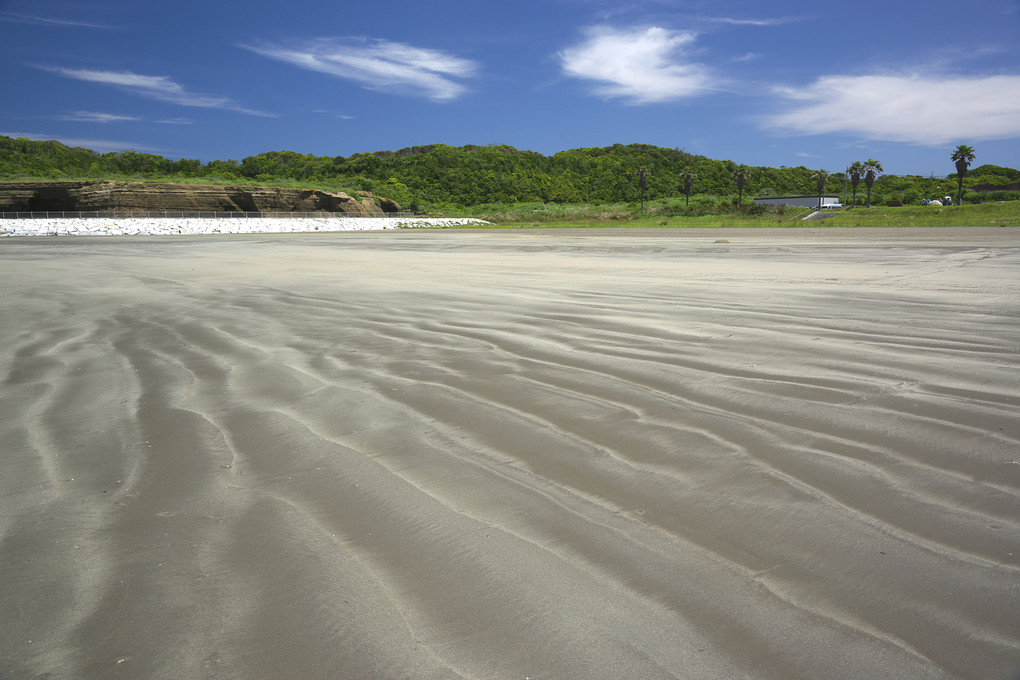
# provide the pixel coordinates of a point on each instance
(143, 226)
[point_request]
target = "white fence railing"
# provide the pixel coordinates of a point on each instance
(184, 214)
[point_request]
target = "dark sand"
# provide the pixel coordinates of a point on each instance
(567, 455)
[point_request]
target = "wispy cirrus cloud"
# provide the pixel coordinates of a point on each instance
(641, 65)
(747, 56)
(100, 117)
(334, 114)
(378, 65)
(910, 108)
(772, 21)
(47, 21)
(162, 88)
(96, 117)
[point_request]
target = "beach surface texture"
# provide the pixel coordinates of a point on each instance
(779, 455)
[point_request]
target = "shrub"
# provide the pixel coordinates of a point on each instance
(762, 209)
(976, 197)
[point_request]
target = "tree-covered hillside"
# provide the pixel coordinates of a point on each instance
(426, 177)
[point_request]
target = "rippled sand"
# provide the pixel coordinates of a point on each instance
(512, 455)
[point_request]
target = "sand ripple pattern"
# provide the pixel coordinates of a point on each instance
(452, 455)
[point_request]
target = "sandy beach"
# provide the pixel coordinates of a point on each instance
(563, 455)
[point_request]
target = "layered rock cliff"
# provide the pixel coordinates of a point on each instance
(109, 195)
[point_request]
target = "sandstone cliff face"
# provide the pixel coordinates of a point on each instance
(109, 195)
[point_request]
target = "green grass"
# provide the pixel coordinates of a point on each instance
(704, 211)
(627, 216)
(1005, 214)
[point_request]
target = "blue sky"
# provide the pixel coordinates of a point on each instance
(779, 83)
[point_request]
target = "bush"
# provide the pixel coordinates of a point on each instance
(975, 197)
(762, 209)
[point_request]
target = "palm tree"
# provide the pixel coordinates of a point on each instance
(688, 178)
(821, 178)
(871, 170)
(740, 177)
(963, 156)
(855, 171)
(642, 175)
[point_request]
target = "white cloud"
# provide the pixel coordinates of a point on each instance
(161, 88)
(642, 65)
(97, 117)
(334, 114)
(156, 87)
(749, 56)
(904, 108)
(44, 21)
(379, 65)
(775, 21)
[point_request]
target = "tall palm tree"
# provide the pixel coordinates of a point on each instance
(642, 176)
(871, 170)
(821, 178)
(963, 156)
(740, 177)
(855, 172)
(688, 179)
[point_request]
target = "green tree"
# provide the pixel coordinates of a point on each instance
(871, 170)
(856, 172)
(688, 178)
(740, 177)
(439, 177)
(963, 156)
(821, 178)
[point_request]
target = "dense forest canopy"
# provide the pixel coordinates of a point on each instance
(437, 175)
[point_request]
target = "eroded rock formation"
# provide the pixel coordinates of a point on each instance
(109, 195)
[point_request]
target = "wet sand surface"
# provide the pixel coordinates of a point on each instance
(701, 454)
